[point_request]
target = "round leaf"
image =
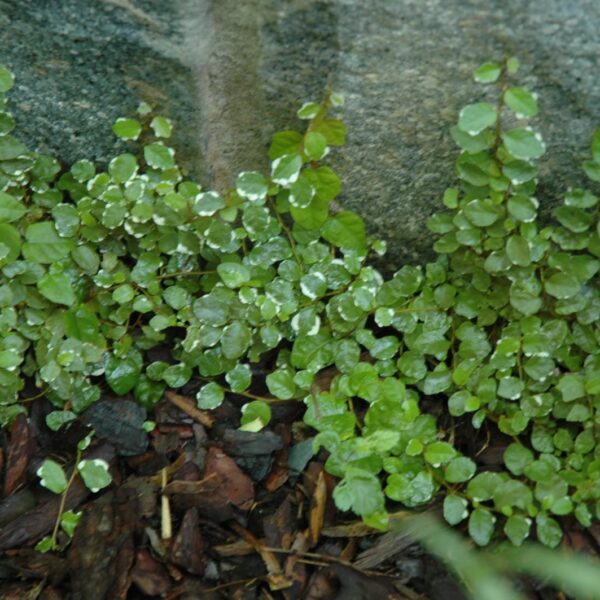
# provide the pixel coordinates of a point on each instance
(210, 396)
(95, 474)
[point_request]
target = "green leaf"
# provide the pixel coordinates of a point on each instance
(57, 288)
(233, 275)
(211, 309)
(127, 129)
(510, 388)
(239, 378)
(523, 144)
(123, 167)
(313, 285)
(83, 170)
(595, 145)
(45, 544)
(474, 118)
(519, 171)
(9, 359)
(439, 453)
(52, 476)
(345, 230)
(285, 142)
(471, 143)
(252, 185)
(459, 469)
(11, 148)
(482, 213)
(235, 339)
(162, 127)
(487, 72)
(177, 297)
(548, 530)
(57, 418)
(159, 156)
(281, 384)
(521, 102)
(483, 486)
(286, 169)
(210, 396)
(481, 526)
(512, 65)
(123, 294)
(176, 376)
(148, 392)
(207, 204)
(11, 209)
(517, 529)
(313, 216)
(518, 251)
(591, 169)
(573, 218)
(43, 244)
(69, 520)
(87, 258)
(315, 145)
(522, 208)
(359, 491)
(562, 285)
(255, 416)
(517, 458)
(301, 193)
(455, 509)
(309, 110)
(11, 240)
(571, 386)
(325, 181)
(334, 131)
(66, 220)
(95, 474)
(123, 373)
(7, 79)
(315, 350)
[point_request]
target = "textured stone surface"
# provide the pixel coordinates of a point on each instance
(405, 69)
(230, 73)
(80, 64)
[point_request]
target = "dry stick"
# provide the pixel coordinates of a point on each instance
(317, 511)
(277, 579)
(166, 524)
(323, 557)
(63, 499)
(187, 406)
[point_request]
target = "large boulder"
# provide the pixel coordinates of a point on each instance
(230, 73)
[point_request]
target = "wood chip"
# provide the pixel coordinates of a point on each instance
(236, 485)
(188, 546)
(19, 453)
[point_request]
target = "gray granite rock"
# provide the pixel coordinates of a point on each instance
(405, 68)
(232, 72)
(80, 64)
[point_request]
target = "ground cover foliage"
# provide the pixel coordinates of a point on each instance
(498, 335)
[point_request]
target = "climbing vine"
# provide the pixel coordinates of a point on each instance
(500, 333)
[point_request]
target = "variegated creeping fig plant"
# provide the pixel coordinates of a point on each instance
(501, 331)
